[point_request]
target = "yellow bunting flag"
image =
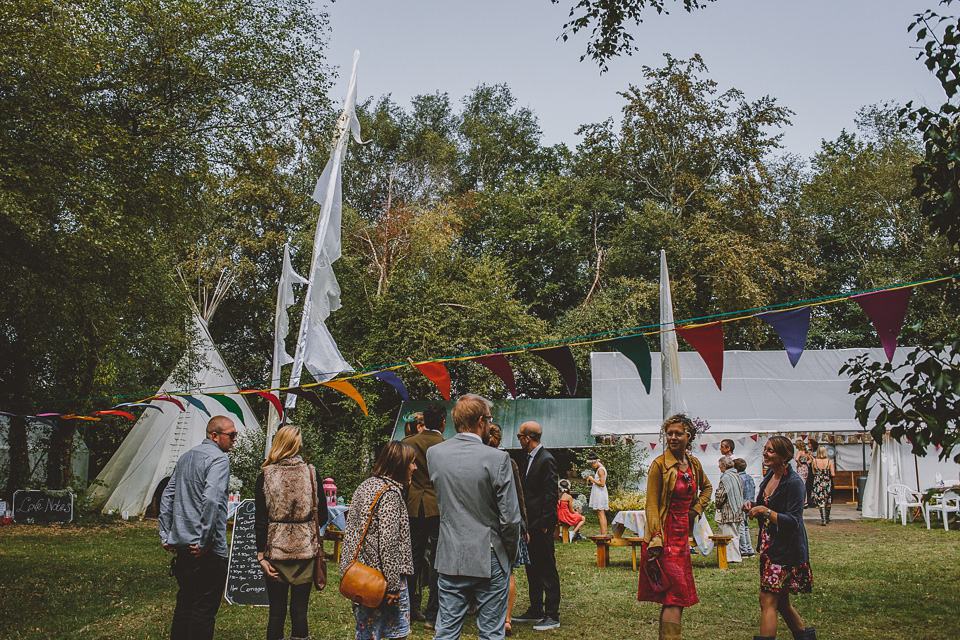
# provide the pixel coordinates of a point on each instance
(345, 387)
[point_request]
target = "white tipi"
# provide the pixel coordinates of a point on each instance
(149, 453)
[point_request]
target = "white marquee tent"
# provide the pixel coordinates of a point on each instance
(150, 451)
(762, 395)
(894, 463)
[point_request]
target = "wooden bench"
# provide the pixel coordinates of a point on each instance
(721, 543)
(337, 536)
(846, 481)
(562, 532)
(605, 542)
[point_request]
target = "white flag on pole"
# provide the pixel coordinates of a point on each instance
(669, 364)
(285, 298)
(316, 349)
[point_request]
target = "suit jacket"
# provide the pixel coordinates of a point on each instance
(540, 491)
(421, 490)
(478, 505)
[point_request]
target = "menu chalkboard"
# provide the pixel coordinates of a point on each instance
(245, 581)
(42, 506)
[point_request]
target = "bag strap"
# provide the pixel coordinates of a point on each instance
(316, 507)
(369, 520)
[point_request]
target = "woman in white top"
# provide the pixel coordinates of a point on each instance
(599, 498)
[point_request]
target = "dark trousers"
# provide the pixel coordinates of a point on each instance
(299, 598)
(542, 575)
(201, 582)
(424, 532)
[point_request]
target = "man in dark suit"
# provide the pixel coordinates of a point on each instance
(479, 523)
(538, 474)
(424, 515)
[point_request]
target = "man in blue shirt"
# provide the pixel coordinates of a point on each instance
(192, 524)
(749, 495)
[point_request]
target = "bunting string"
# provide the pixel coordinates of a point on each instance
(885, 307)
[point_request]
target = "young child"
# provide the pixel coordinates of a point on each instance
(567, 513)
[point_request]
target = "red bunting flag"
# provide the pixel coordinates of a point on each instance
(754, 436)
(499, 365)
(274, 400)
(707, 340)
(437, 374)
(169, 399)
(703, 447)
(886, 310)
(653, 445)
(114, 412)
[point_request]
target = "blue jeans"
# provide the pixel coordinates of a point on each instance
(746, 545)
(491, 596)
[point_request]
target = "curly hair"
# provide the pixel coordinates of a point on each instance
(684, 421)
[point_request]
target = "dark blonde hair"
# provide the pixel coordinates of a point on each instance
(394, 461)
(684, 421)
(468, 410)
(822, 452)
(287, 442)
(496, 436)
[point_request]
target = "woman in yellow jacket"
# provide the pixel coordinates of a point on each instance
(677, 492)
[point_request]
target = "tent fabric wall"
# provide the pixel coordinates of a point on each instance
(150, 451)
(894, 463)
(762, 395)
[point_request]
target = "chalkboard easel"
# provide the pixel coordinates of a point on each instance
(42, 506)
(245, 581)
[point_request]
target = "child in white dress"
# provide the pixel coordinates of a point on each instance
(599, 498)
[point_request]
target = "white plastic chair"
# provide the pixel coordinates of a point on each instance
(904, 498)
(949, 503)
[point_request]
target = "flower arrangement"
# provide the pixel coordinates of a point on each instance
(235, 484)
(700, 425)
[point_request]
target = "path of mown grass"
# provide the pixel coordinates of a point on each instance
(872, 580)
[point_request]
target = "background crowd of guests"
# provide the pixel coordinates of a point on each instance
(457, 516)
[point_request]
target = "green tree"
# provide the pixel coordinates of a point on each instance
(120, 125)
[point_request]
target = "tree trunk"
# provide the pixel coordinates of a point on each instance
(19, 467)
(60, 454)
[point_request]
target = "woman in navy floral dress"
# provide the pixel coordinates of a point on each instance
(784, 556)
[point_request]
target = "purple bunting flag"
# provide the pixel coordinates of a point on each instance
(886, 310)
(792, 327)
(499, 365)
(394, 381)
(562, 360)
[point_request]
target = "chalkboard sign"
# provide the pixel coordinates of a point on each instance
(245, 581)
(42, 506)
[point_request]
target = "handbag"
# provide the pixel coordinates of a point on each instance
(659, 582)
(360, 583)
(319, 560)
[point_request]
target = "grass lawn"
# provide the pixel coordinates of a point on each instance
(872, 580)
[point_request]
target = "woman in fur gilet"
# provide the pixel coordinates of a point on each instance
(287, 502)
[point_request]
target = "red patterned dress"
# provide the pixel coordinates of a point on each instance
(777, 578)
(677, 569)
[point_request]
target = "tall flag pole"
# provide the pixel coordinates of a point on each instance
(669, 363)
(316, 349)
(285, 298)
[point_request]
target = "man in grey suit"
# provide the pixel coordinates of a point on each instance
(479, 523)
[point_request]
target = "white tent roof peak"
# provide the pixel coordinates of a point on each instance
(150, 451)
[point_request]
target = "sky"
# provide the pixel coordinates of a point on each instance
(823, 59)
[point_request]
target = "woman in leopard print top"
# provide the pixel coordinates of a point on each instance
(387, 544)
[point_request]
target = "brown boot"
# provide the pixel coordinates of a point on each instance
(669, 631)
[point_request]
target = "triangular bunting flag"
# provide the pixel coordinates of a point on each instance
(274, 400)
(792, 327)
(653, 445)
(754, 436)
(707, 339)
(173, 400)
(228, 403)
(114, 412)
(716, 446)
(886, 310)
(742, 440)
(196, 402)
(438, 375)
(309, 396)
(703, 447)
(394, 381)
(499, 365)
(562, 360)
(345, 387)
(637, 349)
(143, 405)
